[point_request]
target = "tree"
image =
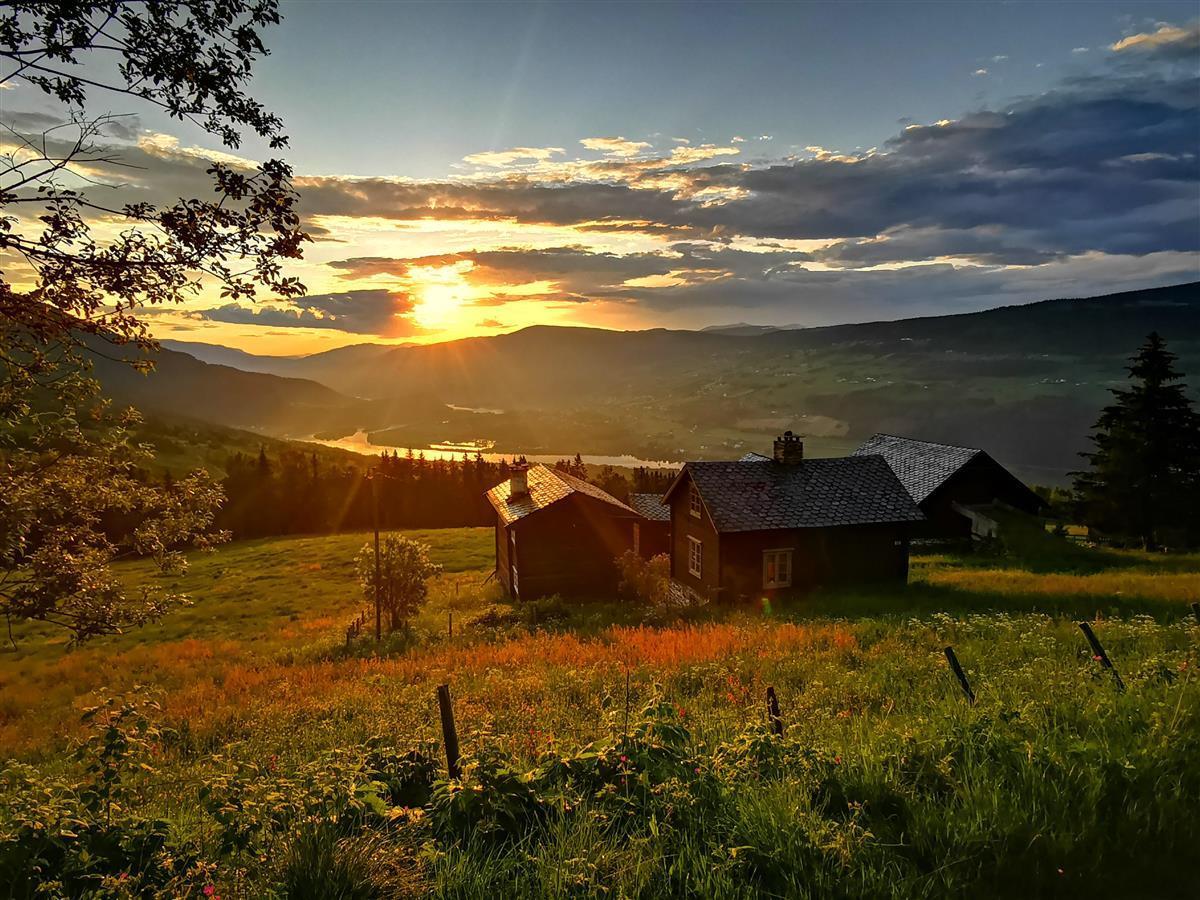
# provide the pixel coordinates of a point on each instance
(1144, 475)
(404, 570)
(77, 272)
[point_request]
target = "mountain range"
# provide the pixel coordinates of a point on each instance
(1025, 382)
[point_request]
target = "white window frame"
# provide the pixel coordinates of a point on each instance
(775, 558)
(695, 557)
(695, 506)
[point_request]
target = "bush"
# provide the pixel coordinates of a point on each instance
(645, 580)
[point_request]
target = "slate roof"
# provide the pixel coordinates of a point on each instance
(921, 466)
(754, 457)
(651, 506)
(816, 493)
(546, 486)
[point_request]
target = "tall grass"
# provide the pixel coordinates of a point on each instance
(887, 782)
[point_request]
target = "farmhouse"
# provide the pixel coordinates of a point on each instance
(557, 534)
(759, 527)
(956, 487)
(652, 532)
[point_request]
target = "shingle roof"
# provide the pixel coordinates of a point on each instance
(651, 506)
(546, 486)
(754, 457)
(815, 493)
(921, 466)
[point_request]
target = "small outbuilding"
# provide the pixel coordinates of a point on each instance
(957, 488)
(557, 534)
(761, 527)
(652, 532)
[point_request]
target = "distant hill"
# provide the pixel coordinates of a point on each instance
(1025, 382)
(182, 384)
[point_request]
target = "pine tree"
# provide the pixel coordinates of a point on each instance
(1144, 476)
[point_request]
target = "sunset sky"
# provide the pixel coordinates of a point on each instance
(470, 169)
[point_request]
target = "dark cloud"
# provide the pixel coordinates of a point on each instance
(378, 312)
(1073, 170)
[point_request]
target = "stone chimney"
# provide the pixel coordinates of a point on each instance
(518, 480)
(789, 449)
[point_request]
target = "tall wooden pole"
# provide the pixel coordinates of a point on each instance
(378, 578)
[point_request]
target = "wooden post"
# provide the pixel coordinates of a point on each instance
(378, 579)
(450, 624)
(1196, 610)
(1098, 651)
(773, 713)
(449, 732)
(960, 674)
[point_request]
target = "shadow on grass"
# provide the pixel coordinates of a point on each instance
(921, 599)
(1025, 544)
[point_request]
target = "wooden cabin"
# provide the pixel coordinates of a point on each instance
(557, 534)
(956, 487)
(762, 527)
(651, 532)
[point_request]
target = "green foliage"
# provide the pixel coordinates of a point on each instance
(1144, 475)
(90, 837)
(398, 574)
(69, 474)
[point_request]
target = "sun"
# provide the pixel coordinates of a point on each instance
(441, 295)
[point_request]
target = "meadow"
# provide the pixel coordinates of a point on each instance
(615, 750)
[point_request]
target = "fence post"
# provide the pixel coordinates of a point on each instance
(1098, 651)
(960, 674)
(450, 624)
(449, 732)
(773, 713)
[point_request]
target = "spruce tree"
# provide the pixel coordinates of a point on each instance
(1144, 475)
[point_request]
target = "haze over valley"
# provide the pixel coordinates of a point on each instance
(1027, 381)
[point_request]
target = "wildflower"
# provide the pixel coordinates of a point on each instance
(837, 760)
(208, 890)
(624, 758)
(697, 770)
(1096, 657)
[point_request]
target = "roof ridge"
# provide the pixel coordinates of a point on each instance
(912, 440)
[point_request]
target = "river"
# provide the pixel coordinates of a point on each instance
(360, 442)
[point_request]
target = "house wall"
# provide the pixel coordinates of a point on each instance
(684, 525)
(654, 537)
(820, 556)
(503, 572)
(569, 548)
(980, 481)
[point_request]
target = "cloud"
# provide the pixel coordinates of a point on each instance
(616, 146)
(516, 155)
(1080, 50)
(737, 140)
(980, 72)
(377, 312)
(1168, 40)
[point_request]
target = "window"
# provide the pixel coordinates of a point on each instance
(694, 504)
(695, 557)
(777, 569)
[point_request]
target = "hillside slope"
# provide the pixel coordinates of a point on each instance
(1026, 382)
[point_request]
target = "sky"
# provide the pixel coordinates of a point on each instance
(468, 169)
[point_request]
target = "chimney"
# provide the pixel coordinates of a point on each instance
(518, 480)
(789, 449)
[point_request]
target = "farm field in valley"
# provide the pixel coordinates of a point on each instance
(886, 782)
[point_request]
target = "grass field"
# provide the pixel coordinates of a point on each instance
(886, 783)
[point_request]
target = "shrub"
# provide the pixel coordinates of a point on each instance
(645, 580)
